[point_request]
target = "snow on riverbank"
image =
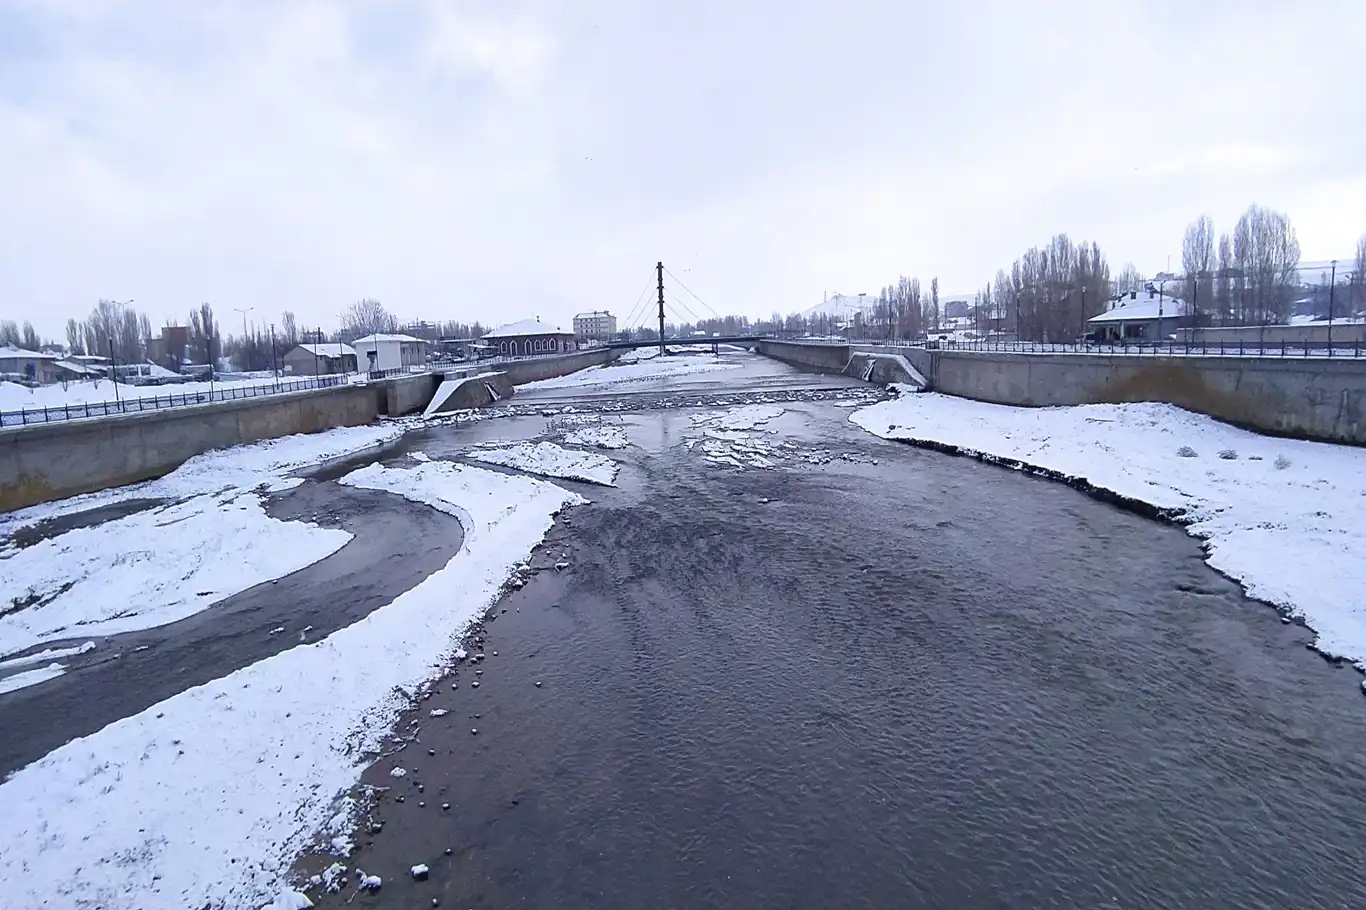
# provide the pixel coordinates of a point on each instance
(239, 468)
(14, 397)
(550, 460)
(150, 568)
(1285, 518)
(206, 798)
(636, 370)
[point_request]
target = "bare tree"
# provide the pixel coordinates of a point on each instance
(368, 317)
(1266, 254)
(1223, 281)
(204, 339)
(74, 337)
(934, 303)
(1197, 259)
(1128, 279)
(30, 339)
(289, 329)
(9, 333)
(1359, 276)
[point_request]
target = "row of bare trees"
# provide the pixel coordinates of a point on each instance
(1049, 293)
(1249, 277)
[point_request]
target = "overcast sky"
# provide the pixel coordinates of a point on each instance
(497, 161)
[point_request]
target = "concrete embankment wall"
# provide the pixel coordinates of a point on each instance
(1310, 398)
(407, 394)
(824, 358)
(460, 393)
(520, 372)
(1251, 335)
(51, 461)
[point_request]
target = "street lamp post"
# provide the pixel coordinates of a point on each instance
(1332, 287)
(244, 313)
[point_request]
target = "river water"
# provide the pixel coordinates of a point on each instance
(875, 676)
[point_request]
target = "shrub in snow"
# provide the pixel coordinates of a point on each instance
(1281, 462)
(1186, 452)
(1227, 454)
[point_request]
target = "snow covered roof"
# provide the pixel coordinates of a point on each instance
(21, 354)
(1144, 307)
(373, 339)
(80, 369)
(526, 327)
(329, 350)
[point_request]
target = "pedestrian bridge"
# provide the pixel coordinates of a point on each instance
(695, 340)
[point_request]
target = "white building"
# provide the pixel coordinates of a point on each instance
(597, 325)
(390, 352)
(31, 366)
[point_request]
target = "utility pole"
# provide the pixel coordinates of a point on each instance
(659, 270)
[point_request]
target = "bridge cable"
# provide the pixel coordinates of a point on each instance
(679, 305)
(690, 291)
(627, 322)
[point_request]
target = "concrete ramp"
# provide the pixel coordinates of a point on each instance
(465, 392)
(884, 369)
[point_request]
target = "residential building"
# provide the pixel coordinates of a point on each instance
(390, 352)
(35, 366)
(1139, 316)
(170, 350)
(595, 326)
(530, 338)
(320, 359)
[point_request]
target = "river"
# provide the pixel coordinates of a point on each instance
(866, 675)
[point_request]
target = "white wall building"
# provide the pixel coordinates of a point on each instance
(598, 325)
(392, 352)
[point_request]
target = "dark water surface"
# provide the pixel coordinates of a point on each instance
(917, 683)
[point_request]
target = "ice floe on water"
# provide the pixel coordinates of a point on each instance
(1286, 518)
(602, 437)
(738, 438)
(550, 460)
(206, 798)
(25, 678)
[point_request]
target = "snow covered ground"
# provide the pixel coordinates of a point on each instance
(220, 471)
(550, 460)
(150, 568)
(639, 368)
(14, 397)
(206, 798)
(1285, 518)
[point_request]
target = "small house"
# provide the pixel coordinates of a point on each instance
(320, 359)
(390, 352)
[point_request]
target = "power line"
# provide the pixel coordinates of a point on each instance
(689, 290)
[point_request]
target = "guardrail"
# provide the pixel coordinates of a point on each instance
(1347, 350)
(94, 409)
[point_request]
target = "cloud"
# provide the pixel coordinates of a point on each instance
(477, 160)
